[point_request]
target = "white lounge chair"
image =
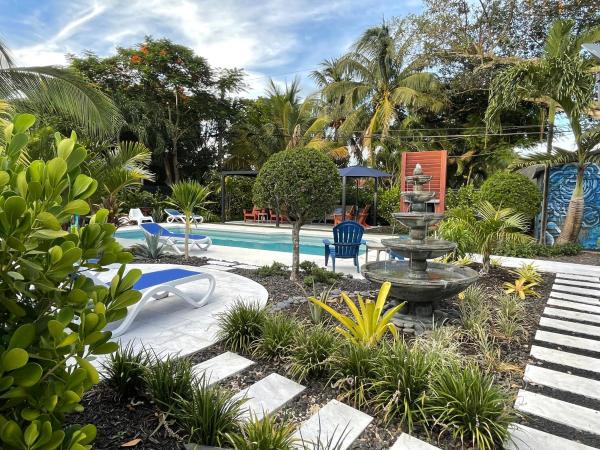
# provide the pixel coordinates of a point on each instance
(177, 216)
(157, 284)
(174, 240)
(136, 215)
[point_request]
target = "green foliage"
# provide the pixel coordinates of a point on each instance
(353, 368)
(315, 311)
(241, 325)
(152, 249)
(529, 273)
(474, 307)
(400, 383)
(315, 274)
(169, 379)
(368, 326)
(533, 249)
(521, 287)
(510, 317)
(388, 202)
(312, 351)
(52, 315)
(264, 434)
(137, 198)
(484, 228)
(277, 337)
(467, 404)
(442, 345)
(238, 196)
(189, 196)
(275, 269)
(209, 414)
(464, 197)
(301, 182)
(512, 190)
(125, 370)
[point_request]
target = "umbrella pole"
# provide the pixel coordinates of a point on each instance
(375, 202)
(343, 198)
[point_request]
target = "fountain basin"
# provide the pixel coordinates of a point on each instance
(418, 196)
(419, 250)
(438, 282)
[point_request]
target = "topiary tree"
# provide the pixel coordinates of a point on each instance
(304, 184)
(512, 190)
(52, 316)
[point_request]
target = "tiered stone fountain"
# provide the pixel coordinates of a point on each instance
(418, 282)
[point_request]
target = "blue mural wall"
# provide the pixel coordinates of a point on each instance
(562, 183)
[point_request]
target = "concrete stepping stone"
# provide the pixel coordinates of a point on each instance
(572, 315)
(408, 442)
(562, 381)
(575, 298)
(565, 340)
(525, 438)
(564, 413)
(268, 395)
(335, 423)
(220, 367)
(572, 276)
(564, 325)
(573, 305)
(566, 359)
(575, 290)
(579, 283)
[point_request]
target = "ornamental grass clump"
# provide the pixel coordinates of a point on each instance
(369, 325)
(169, 379)
(241, 326)
(209, 414)
(401, 380)
(467, 405)
(509, 319)
(353, 367)
(125, 370)
(277, 337)
(474, 308)
(264, 434)
(312, 352)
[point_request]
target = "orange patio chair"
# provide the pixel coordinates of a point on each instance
(251, 215)
(363, 215)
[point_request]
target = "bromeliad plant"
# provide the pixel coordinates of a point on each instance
(52, 316)
(368, 326)
(521, 288)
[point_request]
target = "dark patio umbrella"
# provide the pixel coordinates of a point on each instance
(361, 172)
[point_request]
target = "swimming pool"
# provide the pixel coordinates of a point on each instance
(277, 242)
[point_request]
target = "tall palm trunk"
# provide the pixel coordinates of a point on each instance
(187, 235)
(574, 218)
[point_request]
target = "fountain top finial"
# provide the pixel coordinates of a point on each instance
(418, 170)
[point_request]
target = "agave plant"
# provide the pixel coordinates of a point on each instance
(368, 326)
(152, 249)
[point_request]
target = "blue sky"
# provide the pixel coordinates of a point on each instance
(268, 38)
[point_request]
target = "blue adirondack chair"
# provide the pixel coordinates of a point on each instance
(347, 239)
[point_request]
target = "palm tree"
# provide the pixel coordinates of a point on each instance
(382, 80)
(122, 167)
(188, 196)
(485, 228)
(560, 80)
(56, 91)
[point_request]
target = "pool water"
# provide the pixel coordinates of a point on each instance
(277, 242)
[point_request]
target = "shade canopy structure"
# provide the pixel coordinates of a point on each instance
(361, 172)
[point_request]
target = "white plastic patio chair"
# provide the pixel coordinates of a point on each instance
(136, 215)
(177, 216)
(174, 240)
(157, 284)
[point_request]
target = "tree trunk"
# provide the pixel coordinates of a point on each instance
(572, 225)
(294, 276)
(168, 171)
(550, 138)
(187, 236)
(485, 263)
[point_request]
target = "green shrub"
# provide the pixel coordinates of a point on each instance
(464, 197)
(137, 198)
(388, 202)
(238, 196)
(278, 335)
(467, 404)
(241, 326)
(264, 434)
(275, 269)
(312, 351)
(169, 379)
(315, 274)
(125, 369)
(512, 190)
(303, 183)
(401, 382)
(209, 414)
(534, 249)
(52, 316)
(353, 368)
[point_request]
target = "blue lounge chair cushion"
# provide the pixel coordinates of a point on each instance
(154, 228)
(152, 279)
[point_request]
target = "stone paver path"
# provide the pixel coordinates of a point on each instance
(221, 367)
(562, 385)
(408, 442)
